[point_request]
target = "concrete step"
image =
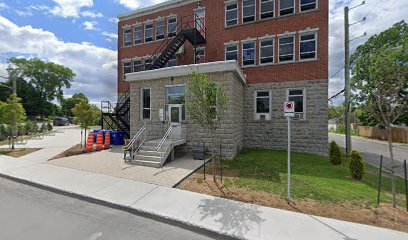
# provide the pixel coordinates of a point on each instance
(148, 158)
(146, 163)
(149, 148)
(149, 152)
(154, 143)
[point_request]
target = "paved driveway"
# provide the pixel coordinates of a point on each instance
(372, 149)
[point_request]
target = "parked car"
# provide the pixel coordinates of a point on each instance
(60, 121)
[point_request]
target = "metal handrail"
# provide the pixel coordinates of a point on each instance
(132, 142)
(163, 140)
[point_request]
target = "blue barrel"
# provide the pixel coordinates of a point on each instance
(117, 138)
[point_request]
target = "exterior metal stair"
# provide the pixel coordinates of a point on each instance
(117, 117)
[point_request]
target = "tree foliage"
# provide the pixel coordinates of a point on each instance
(380, 73)
(335, 153)
(47, 79)
(12, 113)
(357, 165)
(85, 114)
(206, 103)
(69, 103)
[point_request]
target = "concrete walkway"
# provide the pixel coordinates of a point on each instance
(226, 217)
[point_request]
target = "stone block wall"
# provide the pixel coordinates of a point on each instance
(308, 136)
(230, 134)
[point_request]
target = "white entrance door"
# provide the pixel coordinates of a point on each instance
(175, 113)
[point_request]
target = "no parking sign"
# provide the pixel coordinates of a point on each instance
(289, 109)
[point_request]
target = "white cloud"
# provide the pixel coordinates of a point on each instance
(135, 4)
(95, 67)
(23, 13)
(70, 8)
(3, 5)
(89, 25)
(110, 35)
(380, 17)
(113, 20)
(91, 14)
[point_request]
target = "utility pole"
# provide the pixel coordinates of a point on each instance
(347, 111)
(347, 104)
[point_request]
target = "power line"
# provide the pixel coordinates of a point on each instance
(336, 95)
(369, 28)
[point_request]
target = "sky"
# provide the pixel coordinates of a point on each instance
(82, 35)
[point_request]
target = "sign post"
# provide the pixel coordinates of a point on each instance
(289, 110)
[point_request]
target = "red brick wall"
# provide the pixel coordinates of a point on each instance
(217, 35)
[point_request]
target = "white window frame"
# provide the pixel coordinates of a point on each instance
(294, 50)
(273, 50)
(183, 105)
(141, 32)
(242, 52)
(300, 6)
(304, 101)
(142, 104)
(123, 67)
(141, 61)
(157, 27)
(231, 45)
(242, 12)
(130, 36)
(145, 28)
(260, 10)
(255, 105)
(316, 46)
(294, 9)
(225, 15)
(173, 17)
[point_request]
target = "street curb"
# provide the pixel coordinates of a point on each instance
(163, 219)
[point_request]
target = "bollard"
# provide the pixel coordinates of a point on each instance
(379, 181)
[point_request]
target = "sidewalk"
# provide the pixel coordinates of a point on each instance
(226, 217)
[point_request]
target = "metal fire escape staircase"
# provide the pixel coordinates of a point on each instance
(188, 28)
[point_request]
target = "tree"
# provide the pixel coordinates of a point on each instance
(85, 114)
(13, 113)
(380, 74)
(69, 103)
(47, 78)
(206, 103)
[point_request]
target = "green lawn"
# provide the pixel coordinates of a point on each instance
(313, 177)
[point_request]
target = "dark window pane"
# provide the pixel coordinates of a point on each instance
(286, 40)
(307, 37)
(262, 94)
(262, 105)
(146, 98)
(298, 103)
(146, 113)
(307, 46)
(307, 5)
(295, 92)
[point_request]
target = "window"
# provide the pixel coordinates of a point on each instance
(137, 65)
(297, 96)
(248, 53)
(127, 41)
(146, 103)
(262, 105)
(172, 27)
(149, 32)
(248, 11)
(231, 52)
(159, 29)
(172, 62)
(307, 46)
(176, 95)
(138, 35)
(286, 7)
(148, 63)
(267, 8)
(127, 68)
(231, 14)
(286, 49)
(266, 51)
(199, 55)
(306, 5)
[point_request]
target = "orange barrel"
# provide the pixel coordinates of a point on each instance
(99, 142)
(89, 142)
(107, 140)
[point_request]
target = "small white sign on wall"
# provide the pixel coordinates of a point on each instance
(289, 109)
(161, 114)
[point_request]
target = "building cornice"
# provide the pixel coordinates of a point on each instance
(185, 70)
(155, 8)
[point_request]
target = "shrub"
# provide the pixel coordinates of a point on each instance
(357, 165)
(34, 127)
(44, 127)
(28, 127)
(335, 153)
(3, 132)
(49, 126)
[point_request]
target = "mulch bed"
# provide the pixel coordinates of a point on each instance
(18, 152)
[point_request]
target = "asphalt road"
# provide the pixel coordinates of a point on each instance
(371, 150)
(30, 213)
